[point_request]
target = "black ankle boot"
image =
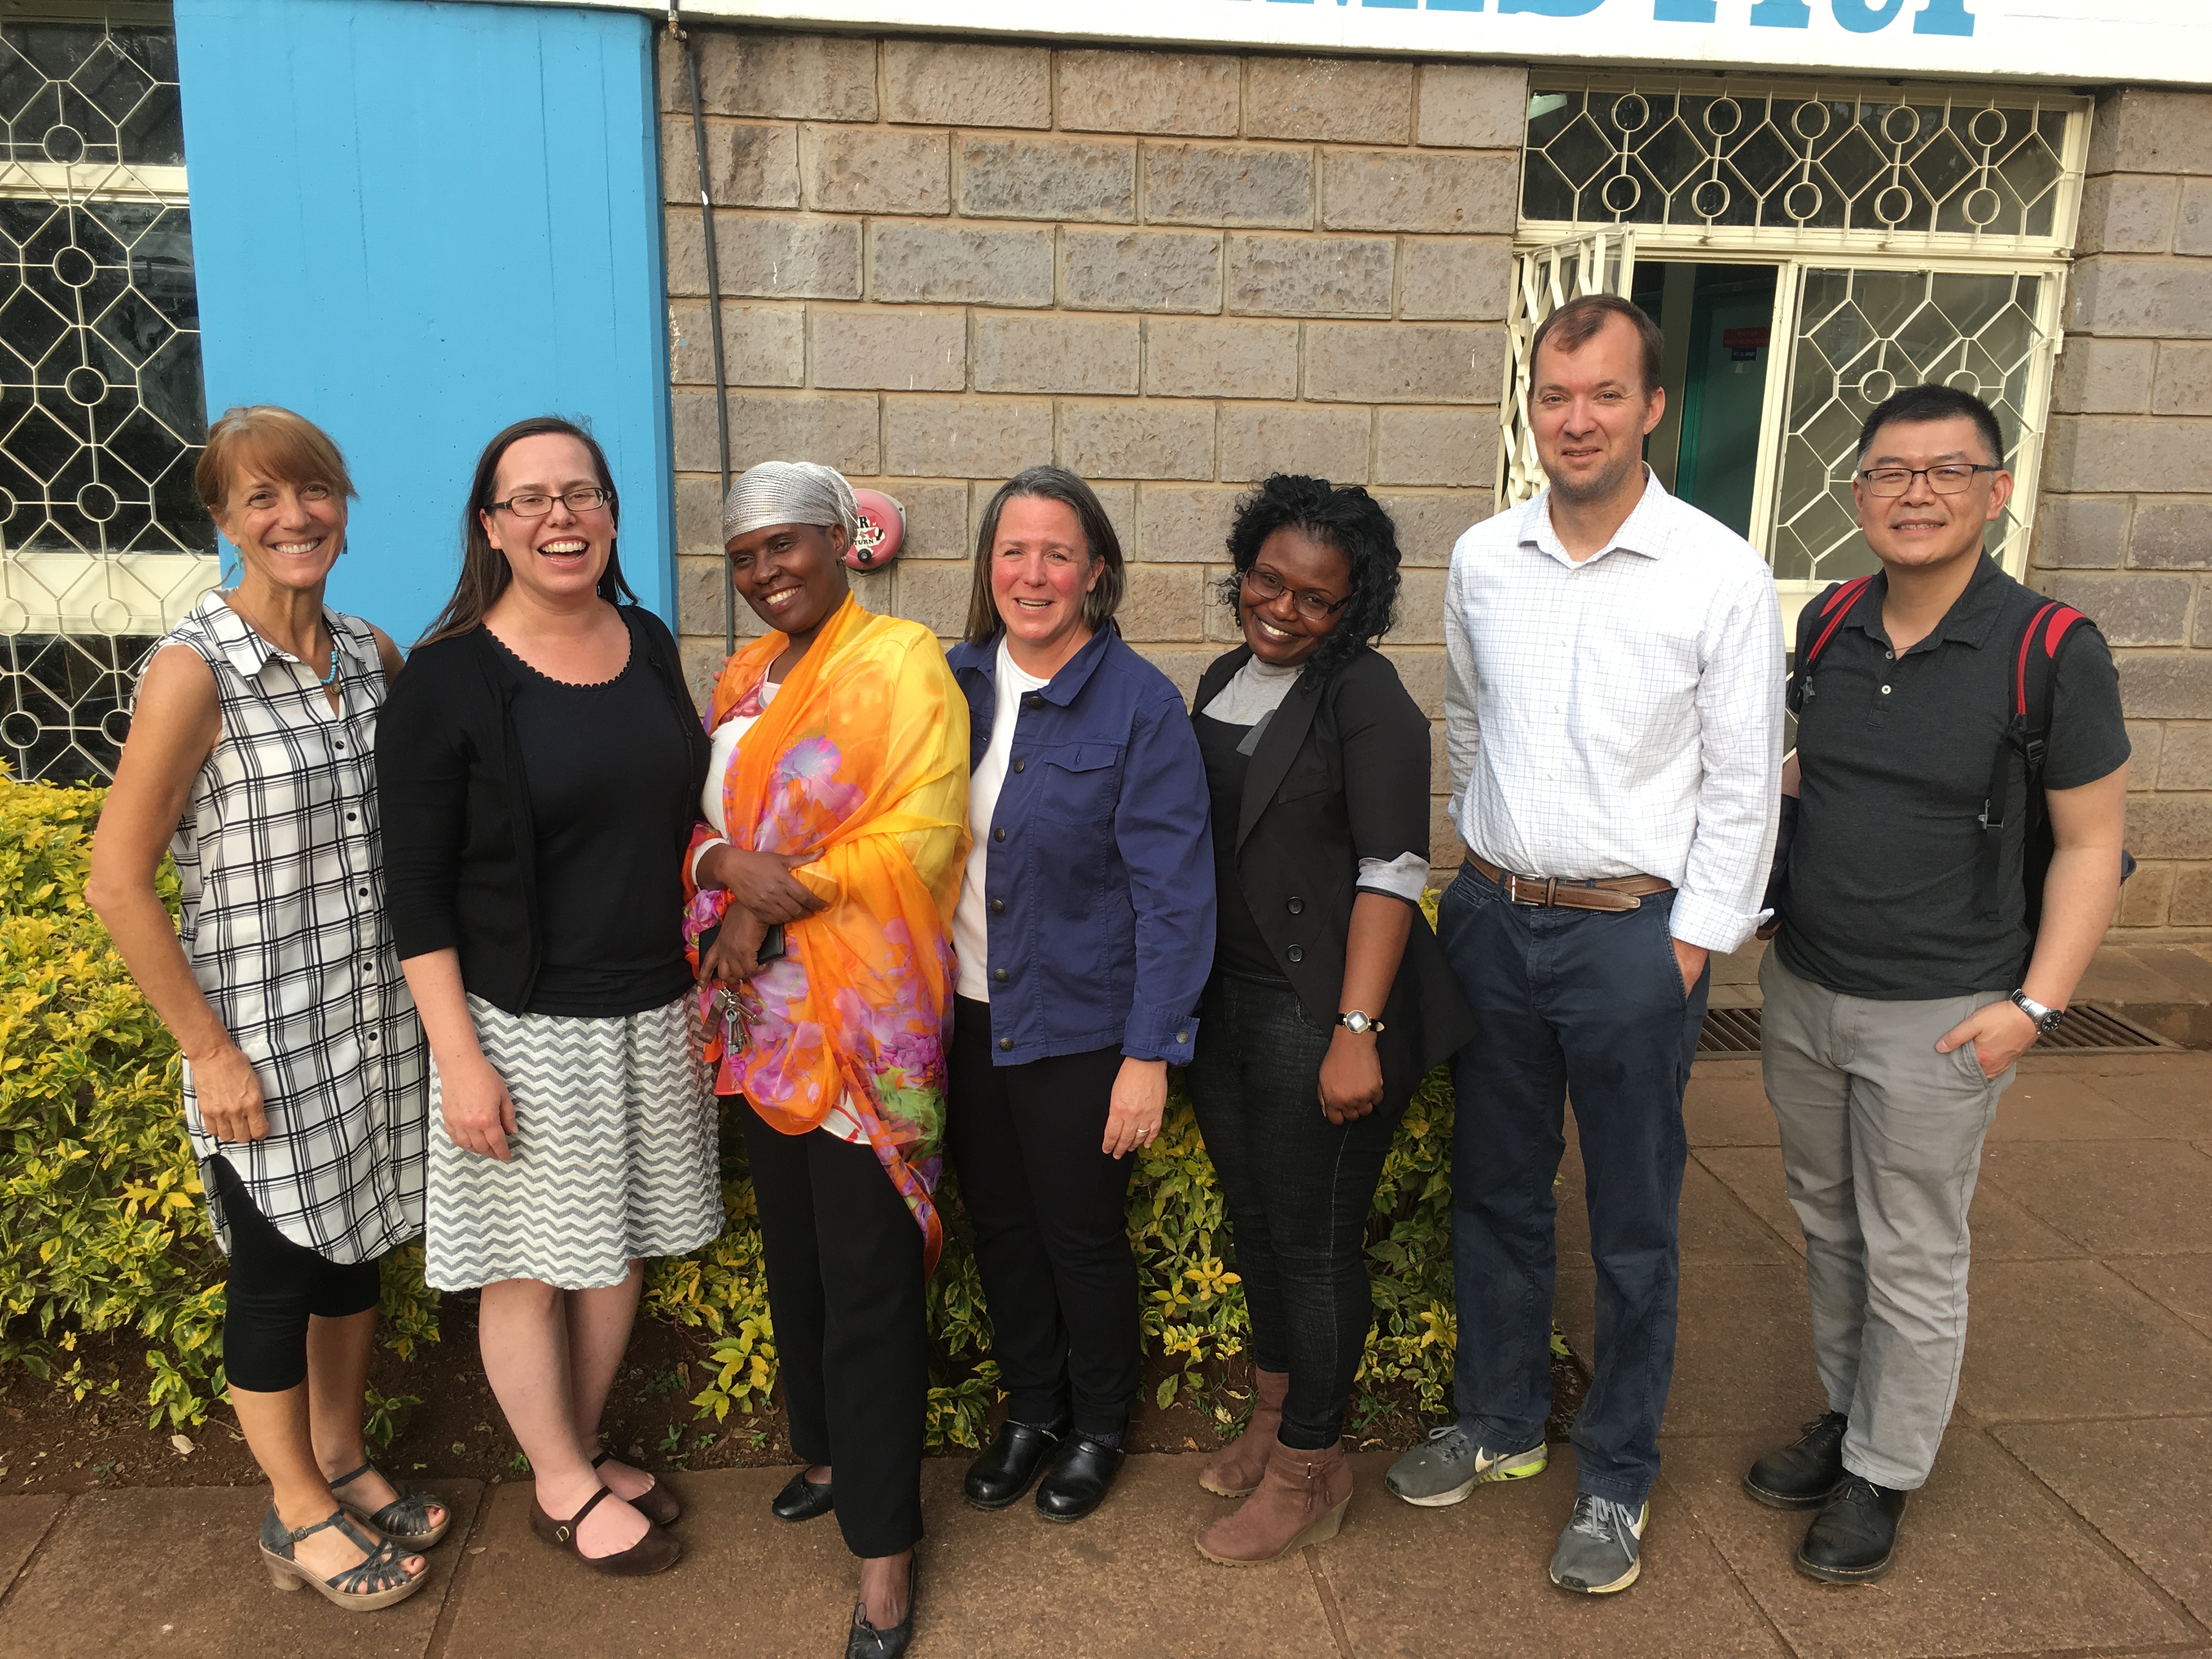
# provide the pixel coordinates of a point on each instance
(1004, 1471)
(1803, 1476)
(1079, 1479)
(1852, 1540)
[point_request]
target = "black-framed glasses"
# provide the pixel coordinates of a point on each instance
(1949, 479)
(1266, 587)
(536, 503)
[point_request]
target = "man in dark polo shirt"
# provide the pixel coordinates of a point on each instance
(1897, 1003)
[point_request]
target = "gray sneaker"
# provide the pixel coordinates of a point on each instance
(1598, 1552)
(1447, 1466)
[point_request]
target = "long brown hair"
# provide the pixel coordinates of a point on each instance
(485, 573)
(1051, 483)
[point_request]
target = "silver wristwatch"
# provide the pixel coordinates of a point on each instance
(1357, 1023)
(2047, 1020)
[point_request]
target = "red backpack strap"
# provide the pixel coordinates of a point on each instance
(1837, 606)
(2048, 627)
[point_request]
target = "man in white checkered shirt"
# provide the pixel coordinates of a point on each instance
(1613, 716)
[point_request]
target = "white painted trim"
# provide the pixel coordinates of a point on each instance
(2068, 42)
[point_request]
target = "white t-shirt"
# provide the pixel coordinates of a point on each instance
(971, 930)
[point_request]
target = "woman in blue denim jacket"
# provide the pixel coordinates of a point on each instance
(1084, 933)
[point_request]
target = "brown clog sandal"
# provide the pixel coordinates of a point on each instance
(377, 1582)
(656, 1502)
(654, 1553)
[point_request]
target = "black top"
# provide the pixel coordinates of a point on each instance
(1239, 946)
(606, 769)
(1896, 754)
(461, 841)
(1340, 773)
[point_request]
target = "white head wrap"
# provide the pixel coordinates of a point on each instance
(789, 492)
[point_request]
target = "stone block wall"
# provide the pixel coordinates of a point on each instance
(2124, 530)
(1171, 272)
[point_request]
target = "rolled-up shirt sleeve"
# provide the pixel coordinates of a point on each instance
(1162, 826)
(1740, 698)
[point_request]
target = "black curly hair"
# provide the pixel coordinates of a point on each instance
(1348, 520)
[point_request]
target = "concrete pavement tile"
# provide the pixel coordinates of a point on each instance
(1470, 1580)
(24, 1522)
(2176, 1103)
(1988, 1562)
(1716, 1228)
(1717, 1112)
(2002, 1230)
(2056, 1340)
(747, 1583)
(2047, 1107)
(1126, 1581)
(2119, 1198)
(2119, 973)
(1743, 1350)
(2181, 1284)
(175, 1570)
(2134, 1482)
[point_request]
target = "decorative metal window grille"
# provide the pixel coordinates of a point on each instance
(1920, 167)
(103, 543)
(1918, 234)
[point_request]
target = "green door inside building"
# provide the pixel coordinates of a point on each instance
(1718, 320)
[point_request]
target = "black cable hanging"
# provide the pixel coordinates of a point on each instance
(682, 36)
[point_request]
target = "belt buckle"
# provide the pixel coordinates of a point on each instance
(1548, 889)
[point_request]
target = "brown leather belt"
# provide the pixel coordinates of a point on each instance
(1615, 893)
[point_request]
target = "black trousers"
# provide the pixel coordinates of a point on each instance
(276, 1287)
(1052, 1236)
(1297, 1189)
(845, 1289)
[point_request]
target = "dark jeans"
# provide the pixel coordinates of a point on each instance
(275, 1285)
(845, 1290)
(1591, 1003)
(1298, 1188)
(1052, 1233)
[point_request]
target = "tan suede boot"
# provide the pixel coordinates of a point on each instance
(1235, 1470)
(1300, 1500)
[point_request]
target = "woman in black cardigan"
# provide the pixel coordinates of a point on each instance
(1330, 998)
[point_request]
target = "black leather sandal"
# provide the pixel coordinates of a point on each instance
(656, 1502)
(654, 1553)
(406, 1518)
(376, 1582)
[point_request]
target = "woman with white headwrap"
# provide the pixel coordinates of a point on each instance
(824, 876)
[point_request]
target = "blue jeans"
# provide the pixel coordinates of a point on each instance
(1589, 1003)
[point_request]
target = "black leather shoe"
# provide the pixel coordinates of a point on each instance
(1803, 1476)
(1851, 1540)
(1004, 1471)
(865, 1641)
(1079, 1479)
(802, 1500)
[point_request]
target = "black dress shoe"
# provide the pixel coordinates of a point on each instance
(1803, 1476)
(865, 1641)
(1004, 1471)
(802, 1500)
(1079, 1479)
(1851, 1540)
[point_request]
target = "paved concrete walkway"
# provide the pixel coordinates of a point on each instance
(2068, 1515)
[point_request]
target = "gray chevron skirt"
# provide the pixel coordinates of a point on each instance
(614, 1155)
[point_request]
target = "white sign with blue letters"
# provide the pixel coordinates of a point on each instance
(2071, 42)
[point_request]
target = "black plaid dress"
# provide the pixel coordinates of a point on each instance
(280, 859)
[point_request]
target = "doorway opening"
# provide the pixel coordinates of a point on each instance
(1719, 324)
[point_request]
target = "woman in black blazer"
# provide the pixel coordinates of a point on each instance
(1330, 998)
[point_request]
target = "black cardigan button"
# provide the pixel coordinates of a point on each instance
(1296, 953)
(1297, 907)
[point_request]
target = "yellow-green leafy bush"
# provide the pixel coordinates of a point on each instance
(102, 1227)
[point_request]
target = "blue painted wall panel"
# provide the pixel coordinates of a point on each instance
(414, 222)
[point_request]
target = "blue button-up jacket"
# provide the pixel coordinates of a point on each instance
(1099, 875)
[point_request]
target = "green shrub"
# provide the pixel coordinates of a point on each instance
(102, 1226)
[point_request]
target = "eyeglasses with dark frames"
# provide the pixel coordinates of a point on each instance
(536, 503)
(1949, 479)
(1265, 586)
